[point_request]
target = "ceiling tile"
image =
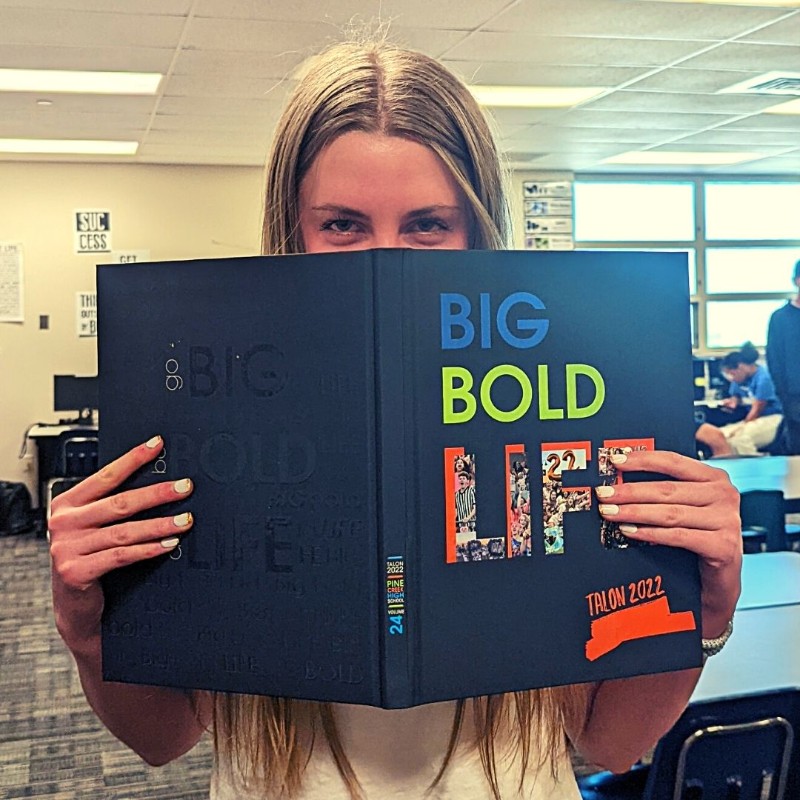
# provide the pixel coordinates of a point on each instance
(728, 104)
(588, 51)
(745, 139)
(88, 29)
(753, 58)
(581, 117)
(162, 7)
(785, 32)
(128, 59)
(444, 14)
(516, 74)
(679, 79)
(627, 19)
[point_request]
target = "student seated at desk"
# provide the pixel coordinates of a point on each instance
(750, 385)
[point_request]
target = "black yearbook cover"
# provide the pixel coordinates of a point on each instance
(393, 454)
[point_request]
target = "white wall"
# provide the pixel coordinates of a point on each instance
(174, 212)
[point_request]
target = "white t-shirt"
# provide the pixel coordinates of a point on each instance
(396, 755)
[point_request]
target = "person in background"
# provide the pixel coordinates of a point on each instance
(783, 360)
(751, 386)
(384, 147)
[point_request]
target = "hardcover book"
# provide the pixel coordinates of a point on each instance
(394, 455)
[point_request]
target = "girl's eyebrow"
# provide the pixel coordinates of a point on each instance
(332, 208)
(435, 209)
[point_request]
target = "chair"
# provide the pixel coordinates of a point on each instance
(735, 749)
(76, 458)
(763, 520)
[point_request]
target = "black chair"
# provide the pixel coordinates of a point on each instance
(76, 458)
(737, 749)
(763, 521)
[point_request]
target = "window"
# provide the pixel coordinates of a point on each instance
(753, 270)
(752, 210)
(731, 323)
(634, 212)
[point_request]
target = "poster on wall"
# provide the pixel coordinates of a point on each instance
(547, 210)
(92, 231)
(11, 308)
(86, 314)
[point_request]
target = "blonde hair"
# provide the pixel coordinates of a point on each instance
(379, 88)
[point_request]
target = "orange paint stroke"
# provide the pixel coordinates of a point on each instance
(652, 618)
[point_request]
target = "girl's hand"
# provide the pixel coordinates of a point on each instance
(91, 534)
(698, 511)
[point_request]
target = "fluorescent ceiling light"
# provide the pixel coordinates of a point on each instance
(534, 96)
(675, 158)
(53, 80)
(69, 147)
(792, 107)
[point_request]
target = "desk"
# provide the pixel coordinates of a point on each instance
(762, 654)
(46, 438)
(770, 579)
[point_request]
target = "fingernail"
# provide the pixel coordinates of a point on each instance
(182, 520)
(182, 486)
(626, 528)
(604, 491)
(608, 509)
(619, 458)
(153, 443)
(168, 544)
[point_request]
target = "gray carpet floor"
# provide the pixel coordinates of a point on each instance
(51, 744)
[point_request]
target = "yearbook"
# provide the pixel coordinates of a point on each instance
(394, 455)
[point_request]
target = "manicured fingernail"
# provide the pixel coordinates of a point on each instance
(168, 544)
(182, 520)
(619, 458)
(604, 491)
(182, 486)
(626, 528)
(608, 509)
(153, 443)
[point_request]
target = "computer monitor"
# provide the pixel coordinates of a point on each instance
(76, 393)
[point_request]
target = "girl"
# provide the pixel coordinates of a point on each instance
(381, 147)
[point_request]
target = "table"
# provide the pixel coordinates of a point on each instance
(763, 472)
(762, 654)
(769, 580)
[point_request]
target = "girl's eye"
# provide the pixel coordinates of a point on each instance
(430, 225)
(339, 225)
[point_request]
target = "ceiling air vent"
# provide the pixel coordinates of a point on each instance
(771, 83)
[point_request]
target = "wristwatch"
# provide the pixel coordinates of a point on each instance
(712, 646)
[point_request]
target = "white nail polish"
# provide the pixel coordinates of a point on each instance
(619, 458)
(168, 544)
(182, 520)
(628, 528)
(604, 491)
(153, 443)
(182, 486)
(609, 509)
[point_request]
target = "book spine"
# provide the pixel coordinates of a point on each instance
(395, 471)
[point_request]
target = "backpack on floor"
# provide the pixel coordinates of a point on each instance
(16, 515)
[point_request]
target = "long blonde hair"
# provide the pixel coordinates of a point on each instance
(379, 88)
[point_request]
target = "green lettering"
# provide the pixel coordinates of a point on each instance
(451, 393)
(573, 410)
